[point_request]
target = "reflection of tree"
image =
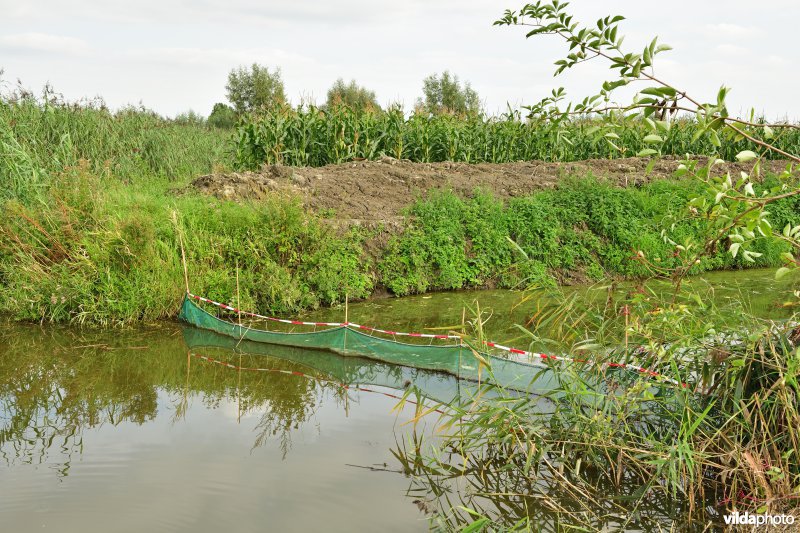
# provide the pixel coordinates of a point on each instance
(55, 383)
(49, 394)
(285, 401)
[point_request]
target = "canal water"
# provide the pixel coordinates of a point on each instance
(155, 429)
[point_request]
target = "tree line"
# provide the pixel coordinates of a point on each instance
(257, 88)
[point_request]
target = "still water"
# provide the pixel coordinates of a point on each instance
(126, 431)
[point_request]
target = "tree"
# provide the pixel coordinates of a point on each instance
(351, 95)
(254, 88)
(222, 116)
(190, 118)
(444, 94)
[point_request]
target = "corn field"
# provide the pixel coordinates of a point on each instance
(310, 136)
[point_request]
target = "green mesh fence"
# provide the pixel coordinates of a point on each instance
(438, 386)
(431, 369)
(455, 360)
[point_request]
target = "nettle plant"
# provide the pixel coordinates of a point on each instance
(735, 212)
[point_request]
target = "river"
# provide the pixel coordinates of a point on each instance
(131, 430)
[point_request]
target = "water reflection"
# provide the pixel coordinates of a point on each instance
(127, 431)
(57, 383)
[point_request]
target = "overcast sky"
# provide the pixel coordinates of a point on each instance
(174, 55)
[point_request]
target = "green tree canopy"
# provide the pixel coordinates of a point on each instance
(255, 87)
(222, 116)
(351, 95)
(444, 94)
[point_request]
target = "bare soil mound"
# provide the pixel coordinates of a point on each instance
(371, 191)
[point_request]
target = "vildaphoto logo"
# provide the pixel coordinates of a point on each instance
(747, 519)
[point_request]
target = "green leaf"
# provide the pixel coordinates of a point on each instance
(746, 155)
(781, 272)
(646, 152)
(734, 249)
(653, 138)
(477, 525)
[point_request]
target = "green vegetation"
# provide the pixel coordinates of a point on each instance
(726, 438)
(42, 138)
(255, 88)
(351, 95)
(90, 251)
(310, 136)
(583, 229)
(444, 94)
(222, 116)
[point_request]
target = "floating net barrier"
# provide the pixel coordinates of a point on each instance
(344, 371)
(447, 354)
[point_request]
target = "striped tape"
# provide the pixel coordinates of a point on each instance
(324, 324)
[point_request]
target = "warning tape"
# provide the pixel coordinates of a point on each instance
(324, 324)
(309, 376)
(532, 355)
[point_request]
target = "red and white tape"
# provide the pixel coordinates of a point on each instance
(516, 351)
(324, 324)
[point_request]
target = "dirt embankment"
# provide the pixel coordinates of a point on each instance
(372, 191)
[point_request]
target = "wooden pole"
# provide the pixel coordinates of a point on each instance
(238, 301)
(183, 252)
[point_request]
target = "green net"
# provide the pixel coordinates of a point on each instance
(454, 359)
(440, 372)
(439, 386)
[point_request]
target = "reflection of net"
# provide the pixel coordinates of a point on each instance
(335, 383)
(456, 360)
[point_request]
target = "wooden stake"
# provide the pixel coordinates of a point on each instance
(183, 252)
(238, 303)
(345, 308)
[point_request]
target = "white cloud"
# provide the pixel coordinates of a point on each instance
(731, 30)
(227, 57)
(732, 49)
(43, 42)
(175, 54)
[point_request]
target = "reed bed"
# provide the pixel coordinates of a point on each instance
(40, 138)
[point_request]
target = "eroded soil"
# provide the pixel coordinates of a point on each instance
(372, 191)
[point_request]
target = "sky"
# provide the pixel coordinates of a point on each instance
(174, 55)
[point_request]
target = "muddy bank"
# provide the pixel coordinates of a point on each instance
(373, 191)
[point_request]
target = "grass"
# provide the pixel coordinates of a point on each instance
(96, 252)
(39, 139)
(614, 451)
(87, 200)
(583, 230)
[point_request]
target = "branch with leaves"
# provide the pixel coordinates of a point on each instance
(732, 207)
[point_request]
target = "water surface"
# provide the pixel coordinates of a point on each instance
(127, 431)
